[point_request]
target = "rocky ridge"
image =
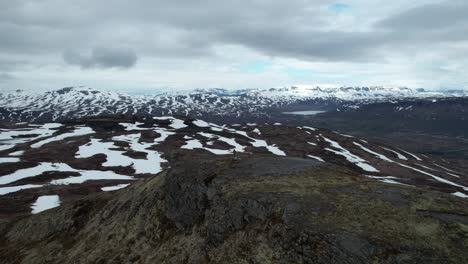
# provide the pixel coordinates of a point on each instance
(247, 210)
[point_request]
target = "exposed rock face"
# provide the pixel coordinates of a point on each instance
(247, 210)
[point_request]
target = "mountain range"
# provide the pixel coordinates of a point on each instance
(211, 104)
(290, 175)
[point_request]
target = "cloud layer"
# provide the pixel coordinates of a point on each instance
(102, 57)
(183, 43)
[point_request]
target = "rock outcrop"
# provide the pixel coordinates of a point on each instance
(247, 210)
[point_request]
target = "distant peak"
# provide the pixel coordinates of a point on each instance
(82, 89)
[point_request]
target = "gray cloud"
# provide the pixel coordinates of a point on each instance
(319, 45)
(429, 17)
(153, 28)
(6, 77)
(102, 57)
(40, 31)
(8, 64)
(181, 29)
(296, 28)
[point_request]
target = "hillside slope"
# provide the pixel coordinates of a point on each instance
(62, 162)
(433, 127)
(247, 210)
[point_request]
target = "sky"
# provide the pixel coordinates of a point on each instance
(149, 45)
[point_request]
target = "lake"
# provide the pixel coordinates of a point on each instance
(308, 112)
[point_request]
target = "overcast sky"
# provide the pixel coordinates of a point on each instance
(147, 45)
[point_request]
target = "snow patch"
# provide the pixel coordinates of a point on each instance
(8, 160)
(315, 157)
(85, 175)
(79, 131)
(386, 179)
(349, 156)
(175, 123)
(460, 194)
(196, 144)
(114, 157)
(310, 128)
(153, 161)
(114, 188)
(412, 155)
(45, 202)
(378, 155)
(275, 150)
(257, 131)
(90, 175)
(230, 141)
(258, 143)
(399, 155)
(132, 127)
(17, 153)
(34, 171)
(437, 178)
(10, 138)
(201, 123)
(447, 169)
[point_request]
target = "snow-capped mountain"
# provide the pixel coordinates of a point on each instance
(342, 93)
(76, 102)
